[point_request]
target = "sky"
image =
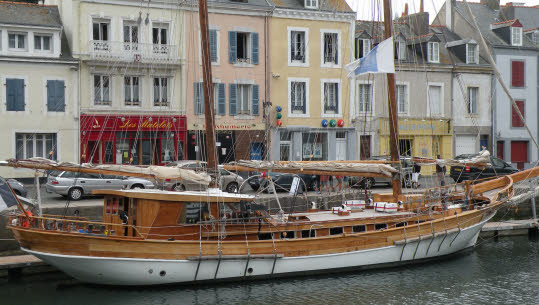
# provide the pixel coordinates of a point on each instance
(366, 9)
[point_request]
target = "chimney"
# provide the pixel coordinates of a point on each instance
(418, 22)
(492, 4)
(421, 6)
(405, 10)
(449, 10)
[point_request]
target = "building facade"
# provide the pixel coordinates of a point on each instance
(311, 42)
(39, 95)
(515, 52)
(132, 80)
(238, 51)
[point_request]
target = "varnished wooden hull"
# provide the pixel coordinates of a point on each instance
(146, 271)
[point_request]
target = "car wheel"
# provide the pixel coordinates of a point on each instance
(179, 188)
(137, 186)
(367, 183)
(232, 187)
(75, 193)
(314, 185)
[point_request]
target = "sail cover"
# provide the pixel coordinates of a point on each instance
(480, 160)
(329, 167)
(154, 171)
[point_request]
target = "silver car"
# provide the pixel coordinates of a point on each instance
(76, 185)
(17, 187)
(228, 181)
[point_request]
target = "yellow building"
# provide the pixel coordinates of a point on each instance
(310, 45)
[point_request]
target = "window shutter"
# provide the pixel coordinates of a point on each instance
(254, 48)
(221, 102)
(15, 94)
(55, 96)
(51, 96)
(198, 98)
(336, 87)
(232, 98)
(517, 71)
(255, 103)
(60, 96)
(10, 94)
(304, 97)
(517, 122)
(213, 45)
(232, 47)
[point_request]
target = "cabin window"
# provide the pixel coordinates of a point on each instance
(264, 236)
(308, 233)
(115, 206)
(108, 206)
(196, 212)
(380, 226)
(359, 229)
(420, 221)
(288, 235)
(401, 224)
(336, 231)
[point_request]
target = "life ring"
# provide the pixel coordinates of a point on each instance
(25, 221)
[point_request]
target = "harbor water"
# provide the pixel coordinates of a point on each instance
(495, 272)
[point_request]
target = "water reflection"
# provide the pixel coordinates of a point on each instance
(503, 272)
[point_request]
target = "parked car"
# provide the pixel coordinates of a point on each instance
(497, 167)
(76, 185)
(407, 168)
(283, 182)
(17, 187)
(228, 181)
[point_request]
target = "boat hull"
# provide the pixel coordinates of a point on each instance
(136, 271)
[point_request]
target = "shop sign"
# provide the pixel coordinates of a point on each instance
(231, 126)
(418, 127)
(131, 123)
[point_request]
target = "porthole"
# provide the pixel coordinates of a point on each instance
(250, 270)
(162, 273)
(150, 271)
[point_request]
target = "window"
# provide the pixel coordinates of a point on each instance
(15, 100)
(297, 46)
(29, 145)
(298, 98)
(365, 147)
(331, 98)
(433, 52)
(402, 98)
(131, 36)
(243, 47)
(516, 36)
(380, 226)
(100, 30)
(308, 233)
(160, 91)
(285, 138)
(17, 41)
(102, 90)
(336, 231)
(243, 99)
(160, 39)
(472, 100)
(515, 119)
(535, 38)
(55, 96)
(364, 94)
(314, 146)
(359, 228)
(401, 50)
(131, 91)
(434, 99)
(214, 47)
(331, 44)
(472, 56)
(219, 99)
(311, 3)
(517, 73)
(42, 42)
(288, 234)
(362, 47)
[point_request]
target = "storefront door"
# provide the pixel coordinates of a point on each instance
(93, 154)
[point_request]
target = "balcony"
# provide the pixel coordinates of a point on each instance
(133, 52)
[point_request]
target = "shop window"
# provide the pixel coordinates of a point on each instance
(109, 152)
(405, 147)
(472, 100)
(180, 151)
(359, 228)
(160, 91)
(167, 150)
(29, 145)
(314, 146)
(336, 231)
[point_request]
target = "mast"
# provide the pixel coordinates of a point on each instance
(208, 90)
(392, 106)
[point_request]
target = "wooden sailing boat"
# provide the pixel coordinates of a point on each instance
(151, 237)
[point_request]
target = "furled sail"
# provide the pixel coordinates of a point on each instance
(316, 167)
(155, 172)
(480, 160)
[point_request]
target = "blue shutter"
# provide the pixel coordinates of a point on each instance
(60, 96)
(232, 99)
(15, 94)
(213, 45)
(55, 96)
(198, 98)
(51, 95)
(255, 108)
(232, 47)
(221, 100)
(254, 48)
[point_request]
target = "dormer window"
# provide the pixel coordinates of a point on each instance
(401, 50)
(516, 36)
(535, 38)
(472, 56)
(17, 41)
(363, 46)
(433, 52)
(42, 42)
(311, 3)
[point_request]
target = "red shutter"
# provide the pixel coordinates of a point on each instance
(517, 74)
(515, 119)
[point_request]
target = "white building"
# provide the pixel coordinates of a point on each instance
(39, 93)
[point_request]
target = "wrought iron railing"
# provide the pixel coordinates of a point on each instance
(133, 52)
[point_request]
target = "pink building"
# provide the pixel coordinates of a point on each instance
(238, 31)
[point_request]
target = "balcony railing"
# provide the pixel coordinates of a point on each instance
(133, 52)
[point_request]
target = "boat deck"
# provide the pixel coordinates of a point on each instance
(330, 216)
